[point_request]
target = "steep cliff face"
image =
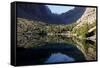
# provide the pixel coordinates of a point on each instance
(86, 25)
(89, 17)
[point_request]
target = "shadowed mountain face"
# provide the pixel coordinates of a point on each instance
(43, 13)
(73, 15)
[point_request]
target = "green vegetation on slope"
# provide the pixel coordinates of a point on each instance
(82, 30)
(34, 31)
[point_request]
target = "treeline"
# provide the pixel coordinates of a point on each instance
(83, 29)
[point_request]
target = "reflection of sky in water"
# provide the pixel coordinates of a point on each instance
(59, 9)
(59, 57)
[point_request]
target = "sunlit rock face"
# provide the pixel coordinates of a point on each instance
(89, 17)
(87, 22)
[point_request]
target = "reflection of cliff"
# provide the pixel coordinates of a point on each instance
(43, 13)
(87, 47)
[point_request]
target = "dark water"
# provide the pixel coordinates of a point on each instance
(56, 50)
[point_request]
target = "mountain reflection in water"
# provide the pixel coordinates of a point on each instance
(59, 57)
(56, 50)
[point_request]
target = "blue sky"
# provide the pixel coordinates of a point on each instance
(59, 9)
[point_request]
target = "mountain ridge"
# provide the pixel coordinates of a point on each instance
(43, 13)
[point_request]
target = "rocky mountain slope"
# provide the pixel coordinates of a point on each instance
(89, 17)
(86, 22)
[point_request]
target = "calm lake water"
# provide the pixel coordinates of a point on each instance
(58, 49)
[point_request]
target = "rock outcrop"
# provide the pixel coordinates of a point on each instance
(89, 17)
(86, 23)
